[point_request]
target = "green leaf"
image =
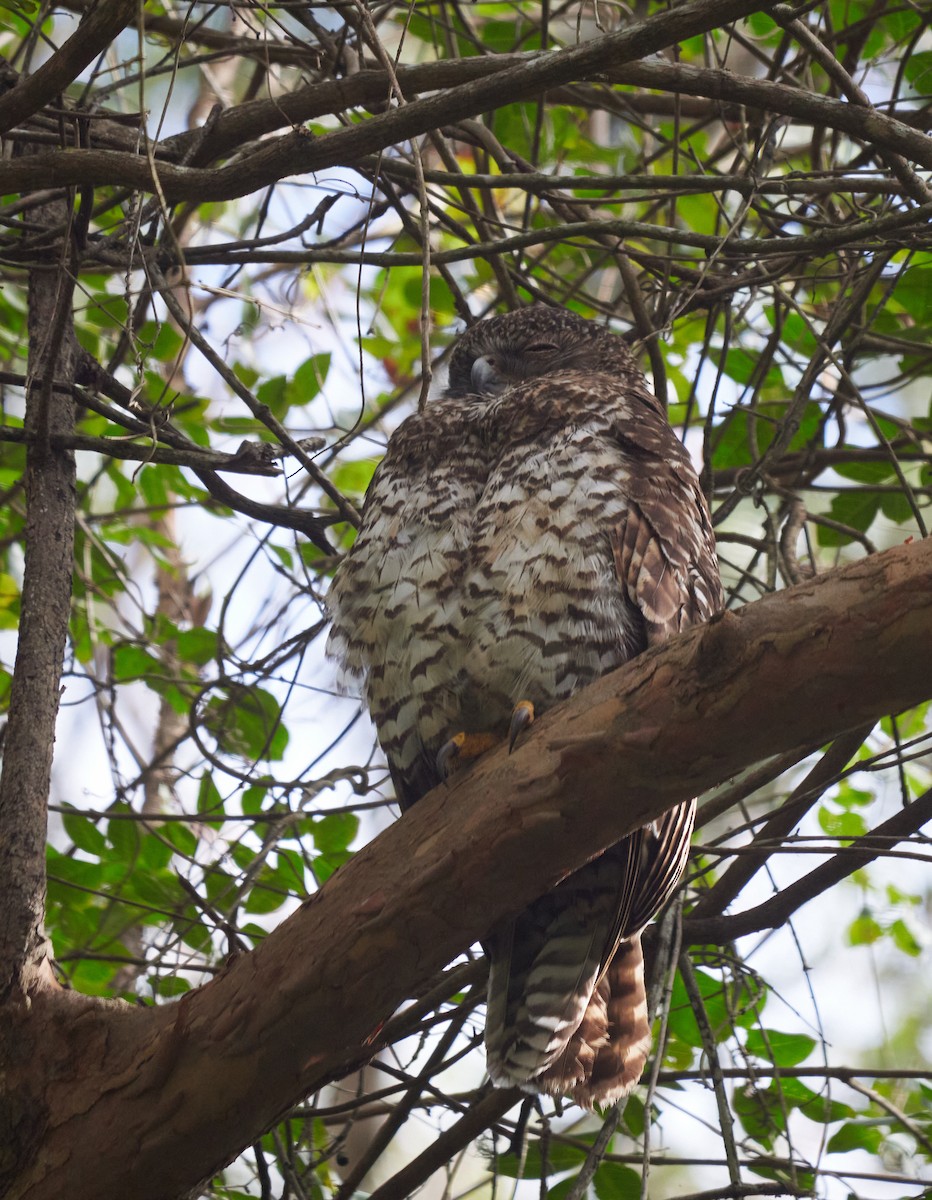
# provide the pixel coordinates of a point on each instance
(170, 985)
(743, 366)
(844, 825)
(354, 476)
(817, 1107)
(857, 509)
(335, 832)
(159, 888)
(918, 70)
(84, 832)
(198, 646)
(326, 864)
(557, 1191)
(181, 837)
(560, 1157)
(759, 1112)
(22, 8)
(864, 930)
(132, 661)
(634, 1115)
(93, 978)
(209, 800)
(865, 472)
(105, 311)
(252, 800)
(247, 722)
(9, 591)
(124, 834)
(904, 939)
(274, 393)
(782, 1049)
(156, 852)
(853, 1136)
(615, 1181)
(896, 507)
(848, 796)
(682, 1020)
(308, 379)
(914, 291)
(263, 899)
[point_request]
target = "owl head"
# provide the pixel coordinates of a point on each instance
(501, 352)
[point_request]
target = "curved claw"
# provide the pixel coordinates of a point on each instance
(521, 718)
(463, 748)
(448, 753)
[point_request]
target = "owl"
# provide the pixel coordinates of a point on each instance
(537, 525)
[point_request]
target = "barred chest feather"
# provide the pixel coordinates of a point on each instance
(484, 571)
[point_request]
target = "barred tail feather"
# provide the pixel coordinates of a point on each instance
(567, 1004)
(592, 1044)
(620, 1060)
(535, 1008)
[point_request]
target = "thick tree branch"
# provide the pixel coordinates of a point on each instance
(488, 81)
(299, 152)
(93, 35)
(308, 1004)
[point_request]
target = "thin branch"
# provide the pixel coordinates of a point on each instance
(774, 913)
(823, 775)
(480, 1117)
(252, 458)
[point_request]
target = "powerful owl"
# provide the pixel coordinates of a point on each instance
(533, 528)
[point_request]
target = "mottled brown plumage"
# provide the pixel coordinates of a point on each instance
(534, 528)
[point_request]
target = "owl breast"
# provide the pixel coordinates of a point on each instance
(546, 614)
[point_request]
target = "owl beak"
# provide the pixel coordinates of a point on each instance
(487, 376)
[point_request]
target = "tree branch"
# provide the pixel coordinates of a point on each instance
(45, 610)
(299, 152)
(252, 458)
(779, 908)
(489, 82)
(93, 35)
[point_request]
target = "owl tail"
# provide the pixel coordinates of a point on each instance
(586, 1036)
(620, 1030)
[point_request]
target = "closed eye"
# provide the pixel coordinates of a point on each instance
(542, 348)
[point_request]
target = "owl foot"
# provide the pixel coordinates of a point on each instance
(521, 718)
(463, 748)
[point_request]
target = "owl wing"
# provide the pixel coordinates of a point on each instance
(667, 569)
(665, 561)
(664, 547)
